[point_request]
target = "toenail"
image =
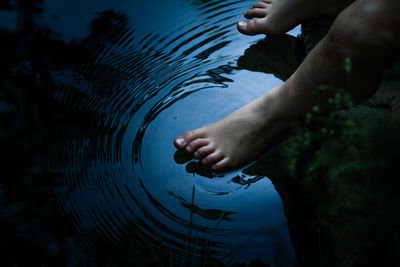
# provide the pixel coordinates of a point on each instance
(180, 141)
(242, 24)
(196, 154)
(188, 148)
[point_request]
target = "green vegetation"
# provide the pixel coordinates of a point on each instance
(346, 166)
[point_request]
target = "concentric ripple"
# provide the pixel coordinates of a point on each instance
(152, 73)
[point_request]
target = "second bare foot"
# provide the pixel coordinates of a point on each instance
(276, 17)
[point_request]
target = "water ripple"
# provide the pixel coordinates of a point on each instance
(123, 179)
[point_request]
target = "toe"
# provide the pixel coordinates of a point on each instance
(181, 141)
(196, 144)
(212, 158)
(204, 151)
(221, 165)
(255, 13)
(251, 27)
(261, 4)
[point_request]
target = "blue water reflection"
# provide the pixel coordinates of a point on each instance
(155, 71)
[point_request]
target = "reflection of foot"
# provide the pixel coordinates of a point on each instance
(182, 157)
(237, 139)
(279, 16)
(279, 55)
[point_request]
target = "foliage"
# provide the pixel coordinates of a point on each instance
(346, 163)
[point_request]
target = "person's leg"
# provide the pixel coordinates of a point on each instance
(279, 16)
(359, 33)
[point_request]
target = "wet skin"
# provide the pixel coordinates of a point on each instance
(359, 30)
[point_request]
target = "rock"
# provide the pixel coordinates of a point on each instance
(387, 96)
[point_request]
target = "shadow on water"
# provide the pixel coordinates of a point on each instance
(277, 55)
(92, 177)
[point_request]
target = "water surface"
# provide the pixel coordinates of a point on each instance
(150, 72)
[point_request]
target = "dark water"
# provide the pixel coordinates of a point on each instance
(150, 72)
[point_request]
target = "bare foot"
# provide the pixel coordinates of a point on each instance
(239, 138)
(279, 16)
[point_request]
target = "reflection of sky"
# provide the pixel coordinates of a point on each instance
(254, 207)
(8, 20)
(72, 18)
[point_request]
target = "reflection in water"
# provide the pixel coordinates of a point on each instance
(141, 79)
(278, 55)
